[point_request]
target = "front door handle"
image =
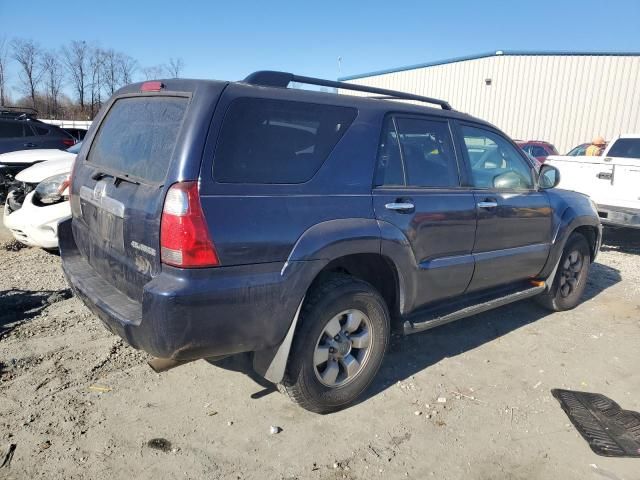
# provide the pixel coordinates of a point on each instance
(402, 207)
(605, 175)
(487, 204)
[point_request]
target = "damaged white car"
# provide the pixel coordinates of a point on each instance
(37, 201)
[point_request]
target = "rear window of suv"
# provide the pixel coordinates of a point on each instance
(138, 136)
(276, 141)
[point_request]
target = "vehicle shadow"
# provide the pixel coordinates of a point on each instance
(409, 355)
(18, 306)
(625, 240)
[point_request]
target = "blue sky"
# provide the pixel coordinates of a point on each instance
(227, 40)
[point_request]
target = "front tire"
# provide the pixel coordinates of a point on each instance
(571, 276)
(339, 346)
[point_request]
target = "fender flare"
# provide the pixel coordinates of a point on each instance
(318, 246)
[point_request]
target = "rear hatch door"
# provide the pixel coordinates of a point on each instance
(143, 144)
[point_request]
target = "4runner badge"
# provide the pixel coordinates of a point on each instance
(143, 248)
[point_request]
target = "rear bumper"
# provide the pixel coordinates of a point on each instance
(190, 314)
(619, 216)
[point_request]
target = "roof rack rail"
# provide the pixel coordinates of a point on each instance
(18, 112)
(269, 78)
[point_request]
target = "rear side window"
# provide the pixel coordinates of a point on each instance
(626, 148)
(138, 136)
(276, 141)
(11, 129)
(427, 151)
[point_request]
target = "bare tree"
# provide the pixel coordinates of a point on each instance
(175, 67)
(96, 64)
(4, 60)
(76, 60)
(127, 67)
(53, 82)
(112, 73)
(153, 72)
(27, 54)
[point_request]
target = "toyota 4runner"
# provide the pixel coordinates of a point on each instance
(213, 218)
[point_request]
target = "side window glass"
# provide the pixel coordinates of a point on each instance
(11, 130)
(389, 168)
(428, 154)
(495, 163)
(40, 130)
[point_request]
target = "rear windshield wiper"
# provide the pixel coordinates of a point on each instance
(117, 179)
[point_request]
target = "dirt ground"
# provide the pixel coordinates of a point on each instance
(78, 403)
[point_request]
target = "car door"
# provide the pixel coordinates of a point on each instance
(513, 235)
(624, 158)
(418, 190)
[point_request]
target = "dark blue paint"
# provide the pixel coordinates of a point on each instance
(273, 240)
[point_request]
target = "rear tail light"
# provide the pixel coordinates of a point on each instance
(184, 236)
(68, 142)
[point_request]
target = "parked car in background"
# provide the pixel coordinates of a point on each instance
(578, 151)
(20, 130)
(538, 149)
(214, 218)
(38, 200)
(611, 180)
(13, 163)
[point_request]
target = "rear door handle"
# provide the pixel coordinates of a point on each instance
(487, 204)
(29, 145)
(604, 176)
(400, 206)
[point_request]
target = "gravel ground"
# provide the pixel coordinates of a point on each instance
(78, 403)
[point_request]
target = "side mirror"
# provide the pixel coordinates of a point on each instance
(549, 176)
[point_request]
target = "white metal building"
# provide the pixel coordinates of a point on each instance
(566, 98)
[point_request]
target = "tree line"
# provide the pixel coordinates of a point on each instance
(73, 81)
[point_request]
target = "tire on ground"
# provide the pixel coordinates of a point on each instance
(554, 299)
(336, 293)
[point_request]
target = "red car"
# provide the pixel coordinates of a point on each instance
(538, 149)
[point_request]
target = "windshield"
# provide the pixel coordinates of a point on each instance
(75, 149)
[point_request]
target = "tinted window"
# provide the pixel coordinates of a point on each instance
(427, 152)
(274, 141)
(138, 136)
(389, 169)
(625, 147)
(495, 163)
(11, 129)
(40, 130)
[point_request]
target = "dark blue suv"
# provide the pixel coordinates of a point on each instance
(216, 218)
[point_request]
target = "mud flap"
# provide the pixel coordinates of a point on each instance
(609, 430)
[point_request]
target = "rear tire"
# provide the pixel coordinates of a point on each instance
(339, 346)
(571, 276)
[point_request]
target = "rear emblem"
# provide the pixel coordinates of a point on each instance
(143, 248)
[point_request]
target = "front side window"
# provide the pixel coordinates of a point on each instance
(495, 163)
(427, 152)
(277, 142)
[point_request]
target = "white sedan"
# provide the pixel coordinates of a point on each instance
(38, 200)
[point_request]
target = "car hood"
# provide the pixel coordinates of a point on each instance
(42, 170)
(32, 156)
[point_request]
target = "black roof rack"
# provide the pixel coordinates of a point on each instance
(270, 78)
(18, 112)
